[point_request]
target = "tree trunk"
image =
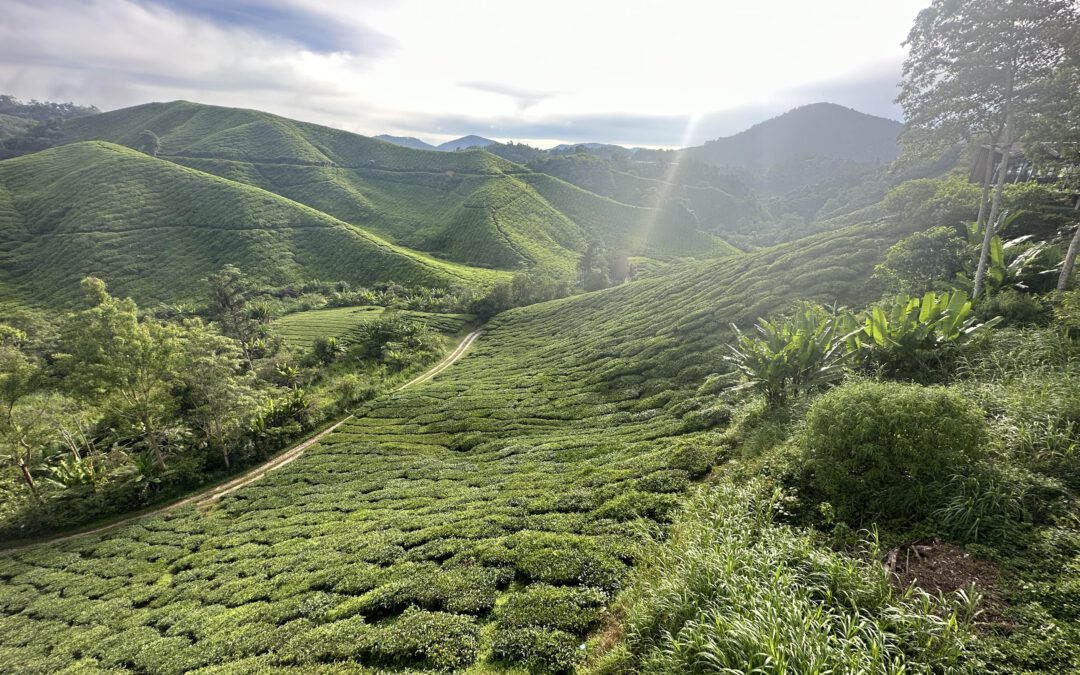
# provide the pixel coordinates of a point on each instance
(1070, 257)
(988, 177)
(995, 209)
(29, 480)
(225, 454)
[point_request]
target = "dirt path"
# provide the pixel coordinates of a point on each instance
(218, 491)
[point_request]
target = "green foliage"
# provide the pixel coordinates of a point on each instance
(981, 507)
(525, 288)
(506, 472)
(882, 450)
(924, 261)
(735, 591)
(905, 337)
(793, 355)
(300, 329)
(931, 202)
(393, 340)
(1014, 308)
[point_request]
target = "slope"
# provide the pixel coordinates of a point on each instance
(465, 143)
(153, 229)
(823, 130)
(485, 515)
(406, 142)
(467, 206)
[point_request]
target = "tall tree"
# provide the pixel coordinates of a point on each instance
(127, 366)
(975, 72)
(222, 400)
(1053, 141)
(23, 430)
(149, 143)
(236, 316)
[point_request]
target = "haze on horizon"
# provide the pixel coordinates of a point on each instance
(629, 72)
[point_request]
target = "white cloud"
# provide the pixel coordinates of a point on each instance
(523, 67)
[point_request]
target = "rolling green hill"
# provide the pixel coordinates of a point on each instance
(471, 207)
(488, 515)
(153, 229)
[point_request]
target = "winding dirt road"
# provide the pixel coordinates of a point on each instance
(216, 492)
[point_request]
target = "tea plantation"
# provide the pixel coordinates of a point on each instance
(486, 517)
(153, 230)
(301, 328)
(471, 207)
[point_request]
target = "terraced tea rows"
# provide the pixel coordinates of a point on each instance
(153, 230)
(300, 329)
(470, 207)
(485, 515)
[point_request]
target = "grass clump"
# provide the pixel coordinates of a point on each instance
(735, 591)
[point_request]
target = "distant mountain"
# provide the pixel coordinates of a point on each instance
(466, 142)
(819, 130)
(406, 142)
(563, 147)
(463, 143)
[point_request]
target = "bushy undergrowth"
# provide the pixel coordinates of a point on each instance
(735, 591)
(880, 450)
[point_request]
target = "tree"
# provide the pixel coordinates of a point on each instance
(222, 398)
(126, 365)
(246, 323)
(149, 143)
(1053, 142)
(924, 261)
(23, 432)
(594, 267)
(975, 71)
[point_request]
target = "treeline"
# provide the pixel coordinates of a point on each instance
(109, 408)
(47, 128)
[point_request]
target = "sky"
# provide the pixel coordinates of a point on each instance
(634, 72)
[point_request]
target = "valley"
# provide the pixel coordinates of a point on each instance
(798, 395)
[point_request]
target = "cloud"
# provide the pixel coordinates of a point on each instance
(524, 98)
(313, 28)
(115, 53)
(871, 90)
(399, 66)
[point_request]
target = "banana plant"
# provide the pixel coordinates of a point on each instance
(899, 332)
(999, 270)
(790, 356)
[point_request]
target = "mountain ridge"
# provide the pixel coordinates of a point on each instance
(840, 133)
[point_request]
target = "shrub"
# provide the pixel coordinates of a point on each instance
(1014, 308)
(541, 650)
(436, 639)
(560, 607)
(924, 261)
(876, 450)
(693, 459)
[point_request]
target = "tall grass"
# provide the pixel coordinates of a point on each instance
(734, 591)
